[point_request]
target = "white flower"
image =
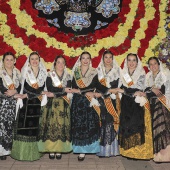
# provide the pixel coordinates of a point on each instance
(165, 52)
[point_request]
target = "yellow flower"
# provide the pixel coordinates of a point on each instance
(156, 53)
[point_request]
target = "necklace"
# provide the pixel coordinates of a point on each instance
(35, 72)
(84, 73)
(10, 74)
(60, 77)
(131, 73)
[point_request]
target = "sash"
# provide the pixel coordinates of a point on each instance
(102, 80)
(9, 82)
(78, 79)
(163, 99)
(57, 83)
(110, 108)
(33, 81)
(147, 105)
(128, 79)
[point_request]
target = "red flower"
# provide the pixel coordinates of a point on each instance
(20, 61)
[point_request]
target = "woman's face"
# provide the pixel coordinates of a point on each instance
(154, 66)
(132, 62)
(9, 61)
(34, 60)
(60, 64)
(85, 60)
(108, 59)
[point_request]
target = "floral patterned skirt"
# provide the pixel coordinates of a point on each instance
(7, 116)
(54, 131)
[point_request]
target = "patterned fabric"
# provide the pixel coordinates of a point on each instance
(7, 115)
(132, 126)
(26, 127)
(145, 150)
(54, 130)
(84, 121)
(161, 125)
(77, 16)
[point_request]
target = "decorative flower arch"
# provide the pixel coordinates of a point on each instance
(139, 28)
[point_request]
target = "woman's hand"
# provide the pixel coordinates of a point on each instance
(97, 95)
(138, 93)
(119, 90)
(16, 96)
(143, 94)
(157, 91)
(44, 92)
(21, 96)
(90, 94)
(10, 93)
(49, 94)
(68, 90)
(75, 91)
(114, 91)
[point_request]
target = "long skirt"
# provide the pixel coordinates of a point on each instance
(85, 126)
(7, 116)
(25, 143)
(108, 136)
(161, 131)
(139, 145)
(55, 126)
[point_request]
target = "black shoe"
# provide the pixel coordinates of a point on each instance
(3, 157)
(58, 156)
(51, 156)
(81, 158)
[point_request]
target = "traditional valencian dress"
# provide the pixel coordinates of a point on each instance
(135, 135)
(7, 109)
(110, 110)
(160, 113)
(26, 126)
(55, 125)
(85, 112)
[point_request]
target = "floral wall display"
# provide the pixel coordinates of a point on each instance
(139, 28)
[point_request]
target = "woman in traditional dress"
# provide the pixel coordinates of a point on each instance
(26, 127)
(55, 126)
(157, 90)
(9, 86)
(109, 76)
(135, 135)
(85, 111)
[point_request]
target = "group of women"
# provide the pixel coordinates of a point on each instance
(106, 111)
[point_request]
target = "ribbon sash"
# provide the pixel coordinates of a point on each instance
(110, 108)
(55, 79)
(57, 83)
(32, 79)
(163, 99)
(78, 79)
(128, 79)
(102, 80)
(147, 105)
(9, 82)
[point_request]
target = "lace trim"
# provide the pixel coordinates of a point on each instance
(132, 141)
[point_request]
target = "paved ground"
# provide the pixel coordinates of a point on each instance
(91, 162)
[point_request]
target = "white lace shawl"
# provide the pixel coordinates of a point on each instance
(113, 74)
(42, 75)
(138, 76)
(162, 78)
(16, 76)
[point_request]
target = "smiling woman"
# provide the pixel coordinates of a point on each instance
(9, 86)
(26, 126)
